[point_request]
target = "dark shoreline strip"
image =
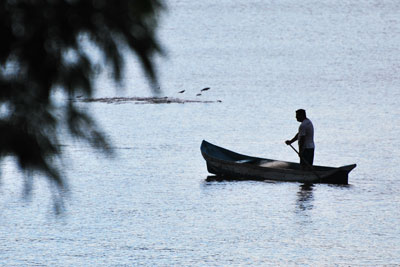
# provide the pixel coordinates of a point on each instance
(144, 100)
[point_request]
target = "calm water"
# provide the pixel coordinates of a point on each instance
(340, 60)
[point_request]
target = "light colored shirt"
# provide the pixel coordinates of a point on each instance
(306, 129)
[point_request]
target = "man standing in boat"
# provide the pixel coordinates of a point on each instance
(305, 138)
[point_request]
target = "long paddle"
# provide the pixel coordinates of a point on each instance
(308, 164)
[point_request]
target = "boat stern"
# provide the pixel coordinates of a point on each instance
(340, 176)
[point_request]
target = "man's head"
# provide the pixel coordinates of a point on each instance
(301, 115)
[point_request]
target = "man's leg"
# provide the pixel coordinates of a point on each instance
(307, 158)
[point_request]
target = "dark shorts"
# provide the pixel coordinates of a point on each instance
(307, 155)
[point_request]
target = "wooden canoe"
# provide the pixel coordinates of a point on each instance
(229, 165)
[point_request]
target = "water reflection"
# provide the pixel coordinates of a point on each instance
(305, 197)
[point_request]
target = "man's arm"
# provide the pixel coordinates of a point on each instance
(294, 139)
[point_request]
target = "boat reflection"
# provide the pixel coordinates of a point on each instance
(305, 197)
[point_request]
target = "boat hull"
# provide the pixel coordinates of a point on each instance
(229, 165)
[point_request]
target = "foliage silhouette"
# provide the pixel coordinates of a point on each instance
(42, 51)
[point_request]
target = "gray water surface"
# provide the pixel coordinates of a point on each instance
(151, 205)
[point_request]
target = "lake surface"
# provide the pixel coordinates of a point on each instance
(151, 205)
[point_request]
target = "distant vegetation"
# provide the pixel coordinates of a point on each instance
(41, 51)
